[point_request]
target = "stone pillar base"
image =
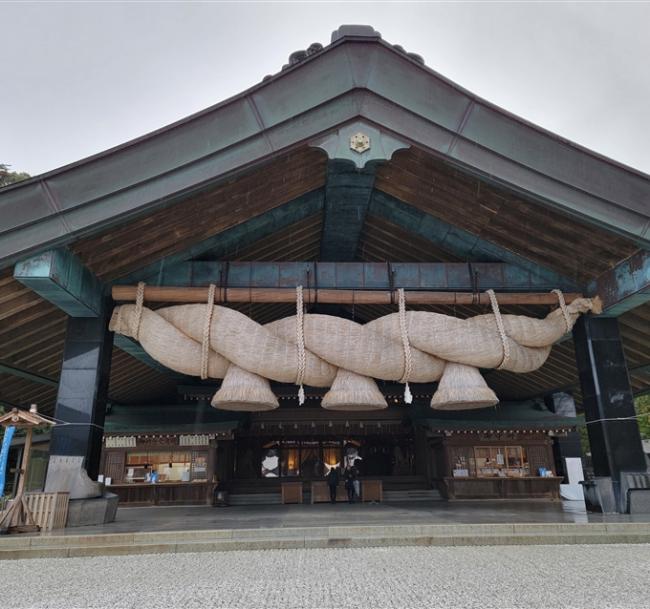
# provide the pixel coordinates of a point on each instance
(92, 512)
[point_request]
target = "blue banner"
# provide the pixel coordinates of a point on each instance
(4, 455)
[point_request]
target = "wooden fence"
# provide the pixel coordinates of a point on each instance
(50, 510)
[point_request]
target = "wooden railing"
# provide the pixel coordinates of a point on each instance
(50, 510)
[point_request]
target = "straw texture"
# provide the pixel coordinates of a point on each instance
(186, 338)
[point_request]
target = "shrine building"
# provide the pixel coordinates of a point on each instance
(291, 279)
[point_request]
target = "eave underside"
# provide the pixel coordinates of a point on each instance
(275, 213)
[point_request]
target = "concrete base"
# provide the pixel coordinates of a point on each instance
(600, 495)
(572, 492)
(90, 512)
(67, 475)
(635, 490)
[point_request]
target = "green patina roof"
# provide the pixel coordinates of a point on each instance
(173, 418)
(505, 415)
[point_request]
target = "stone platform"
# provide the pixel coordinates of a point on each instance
(154, 530)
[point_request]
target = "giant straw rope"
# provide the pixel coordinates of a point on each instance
(325, 351)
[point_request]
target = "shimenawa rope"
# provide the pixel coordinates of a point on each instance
(139, 301)
(300, 336)
(207, 325)
(408, 358)
(565, 312)
(502, 331)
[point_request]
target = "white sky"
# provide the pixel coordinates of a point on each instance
(78, 78)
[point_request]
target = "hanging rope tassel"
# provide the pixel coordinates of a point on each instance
(408, 359)
(300, 342)
(408, 396)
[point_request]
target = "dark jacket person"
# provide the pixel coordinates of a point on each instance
(333, 482)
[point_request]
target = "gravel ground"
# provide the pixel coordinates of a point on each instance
(585, 577)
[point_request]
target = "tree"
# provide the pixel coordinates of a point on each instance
(10, 177)
(642, 404)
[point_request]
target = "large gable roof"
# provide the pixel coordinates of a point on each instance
(358, 76)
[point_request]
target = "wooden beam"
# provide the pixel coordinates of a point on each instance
(331, 296)
(7, 368)
(61, 278)
(347, 195)
(432, 276)
(626, 286)
(227, 243)
(457, 241)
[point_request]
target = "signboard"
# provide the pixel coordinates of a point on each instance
(195, 440)
(120, 441)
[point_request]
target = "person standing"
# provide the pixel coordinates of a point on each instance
(349, 483)
(356, 483)
(333, 482)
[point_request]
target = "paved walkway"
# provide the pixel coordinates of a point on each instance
(174, 518)
(516, 577)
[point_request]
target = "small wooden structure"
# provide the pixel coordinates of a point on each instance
(291, 492)
(19, 518)
(49, 510)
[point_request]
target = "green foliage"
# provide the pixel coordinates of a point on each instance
(642, 405)
(584, 436)
(10, 177)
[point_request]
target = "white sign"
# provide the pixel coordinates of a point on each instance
(194, 440)
(120, 441)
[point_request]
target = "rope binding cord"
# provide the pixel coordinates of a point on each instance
(500, 327)
(408, 359)
(300, 341)
(207, 327)
(139, 302)
(565, 312)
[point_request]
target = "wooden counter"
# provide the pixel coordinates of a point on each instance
(503, 488)
(372, 490)
(164, 493)
(291, 492)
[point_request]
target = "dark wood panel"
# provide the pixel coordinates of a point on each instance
(122, 249)
(532, 230)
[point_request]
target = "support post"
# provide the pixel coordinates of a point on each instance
(614, 435)
(81, 399)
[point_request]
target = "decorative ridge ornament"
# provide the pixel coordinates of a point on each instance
(327, 351)
(359, 142)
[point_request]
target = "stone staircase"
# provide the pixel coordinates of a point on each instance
(255, 499)
(340, 536)
(413, 495)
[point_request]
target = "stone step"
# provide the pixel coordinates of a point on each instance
(413, 495)
(58, 545)
(255, 499)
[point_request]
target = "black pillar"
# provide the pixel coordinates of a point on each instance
(606, 394)
(82, 391)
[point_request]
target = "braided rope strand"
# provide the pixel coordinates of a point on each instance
(500, 327)
(207, 326)
(565, 312)
(139, 302)
(300, 341)
(408, 357)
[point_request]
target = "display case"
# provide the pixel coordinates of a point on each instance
(499, 466)
(159, 471)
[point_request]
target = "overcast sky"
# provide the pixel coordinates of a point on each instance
(78, 78)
